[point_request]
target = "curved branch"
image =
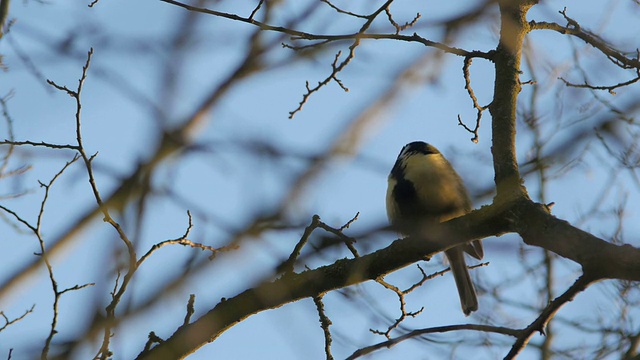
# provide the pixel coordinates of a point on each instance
(313, 283)
(438, 329)
(301, 35)
(598, 258)
(614, 55)
(539, 324)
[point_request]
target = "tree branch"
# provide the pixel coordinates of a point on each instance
(507, 86)
(312, 283)
(574, 29)
(301, 35)
(439, 329)
(539, 324)
(599, 259)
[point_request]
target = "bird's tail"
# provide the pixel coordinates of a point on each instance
(468, 298)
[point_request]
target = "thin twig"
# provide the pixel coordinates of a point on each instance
(325, 322)
(397, 26)
(287, 266)
(476, 105)
(573, 28)
(343, 11)
(8, 322)
(42, 143)
(609, 88)
(403, 312)
(440, 329)
(190, 309)
(348, 240)
(547, 313)
(152, 339)
(184, 241)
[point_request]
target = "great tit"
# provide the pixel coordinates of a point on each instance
(423, 188)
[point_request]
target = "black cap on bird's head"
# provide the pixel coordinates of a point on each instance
(417, 147)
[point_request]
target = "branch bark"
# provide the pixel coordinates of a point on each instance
(514, 27)
(599, 259)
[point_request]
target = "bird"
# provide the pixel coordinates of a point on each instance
(424, 189)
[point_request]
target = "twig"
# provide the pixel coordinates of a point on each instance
(402, 293)
(325, 322)
(346, 226)
(301, 35)
(8, 322)
(287, 266)
(42, 143)
(348, 240)
(190, 309)
(255, 10)
(54, 284)
(547, 313)
(109, 321)
(573, 28)
(476, 105)
(609, 88)
(397, 26)
(152, 339)
(343, 11)
(335, 69)
(403, 312)
(356, 39)
(440, 329)
(183, 240)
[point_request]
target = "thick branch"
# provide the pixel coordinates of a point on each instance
(313, 283)
(599, 259)
(514, 27)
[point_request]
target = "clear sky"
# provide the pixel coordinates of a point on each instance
(225, 183)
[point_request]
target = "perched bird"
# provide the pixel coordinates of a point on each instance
(423, 188)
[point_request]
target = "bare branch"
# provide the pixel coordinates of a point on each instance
(42, 144)
(152, 339)
(403, 312)
(324, 39)
(609, 88)
(335, 69)
(476, 105)
(19, 218)
(360, 35)
(343, 11)
(8, 322)
(184, 241)
(573, 28)
(546, 315)
(255, 11)
(325, 322)
(397, 26)
(348, 241)
(287, 266)
(440, 329)
(190, 309)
